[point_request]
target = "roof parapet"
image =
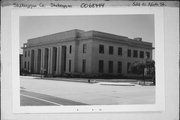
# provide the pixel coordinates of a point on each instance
(138, 39)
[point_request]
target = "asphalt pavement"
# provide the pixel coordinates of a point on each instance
(29, 98)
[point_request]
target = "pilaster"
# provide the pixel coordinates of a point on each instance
(35, 60)
(57, 61)
(42, 58)
(49, 60)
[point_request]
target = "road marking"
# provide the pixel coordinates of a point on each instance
(41, 99)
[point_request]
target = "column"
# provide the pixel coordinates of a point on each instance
(59, 59)
(48, 60)
(42, 58)
(51, 62)
(35, 60)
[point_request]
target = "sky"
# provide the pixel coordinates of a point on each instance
(130, 26)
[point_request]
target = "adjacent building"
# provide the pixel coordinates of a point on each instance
(86, 52)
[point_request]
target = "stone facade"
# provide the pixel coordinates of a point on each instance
(86, 52)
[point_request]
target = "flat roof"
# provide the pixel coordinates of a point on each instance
(77, 34)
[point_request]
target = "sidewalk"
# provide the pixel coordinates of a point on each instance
(97, 93)
(85, 80)
(115, 82)
(118, 82)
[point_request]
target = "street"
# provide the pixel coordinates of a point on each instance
(36, 99)
(47, 92)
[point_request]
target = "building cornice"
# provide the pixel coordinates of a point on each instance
(78, 35)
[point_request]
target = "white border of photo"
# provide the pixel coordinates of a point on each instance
(159, 59)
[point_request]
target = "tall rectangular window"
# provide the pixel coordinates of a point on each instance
(101, 66)
(110, 66)
(28, 53)
(84, 66)
(128, 67)
(135, 53)
(148, 54)
(25, 64)
(70, 49)
(120, 51)
(141, 54)
(101, 49)
(28, 65)
(25, 53)
(111, 50)
(84, 48)
(129, 53)
(119, 67)
(69, 65)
